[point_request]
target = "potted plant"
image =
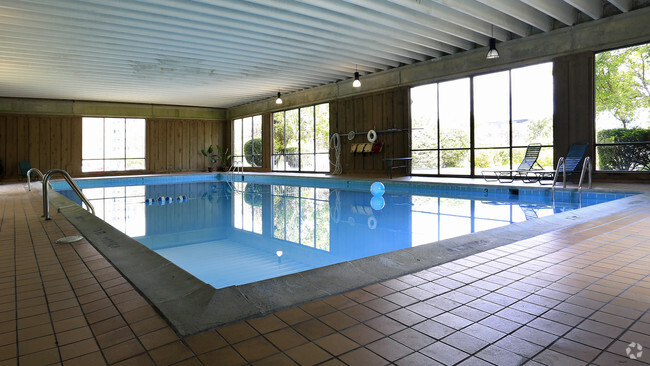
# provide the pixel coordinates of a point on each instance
(208, 154)
(220, 156)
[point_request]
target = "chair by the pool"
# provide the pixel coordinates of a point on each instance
(527, 163)
(25, 166)
(572, 161)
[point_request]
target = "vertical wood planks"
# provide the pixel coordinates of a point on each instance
(170, 148)
(49, 142)
(178, 145)
(55, 143)
(11, 161)
(75, 145)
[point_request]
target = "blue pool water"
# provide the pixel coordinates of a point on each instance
(236, 234)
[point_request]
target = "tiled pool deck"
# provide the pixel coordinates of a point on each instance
(577, 295)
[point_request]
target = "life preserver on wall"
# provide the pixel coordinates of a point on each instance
(372, 136)
(372, 223)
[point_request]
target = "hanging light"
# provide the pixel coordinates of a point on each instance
(492, 52)
(356, 83)
(279, 100)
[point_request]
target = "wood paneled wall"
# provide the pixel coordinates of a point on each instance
(378, 111)
(50, 142)
(175, 145)
(47, 142)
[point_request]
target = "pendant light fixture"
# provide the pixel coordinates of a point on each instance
(279, 100)
(492, 52)
(356, 83)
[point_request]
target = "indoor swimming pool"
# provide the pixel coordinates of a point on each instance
(235, 233)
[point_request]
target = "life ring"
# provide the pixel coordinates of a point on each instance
(372, 223)
(351, 135)
(372, 136)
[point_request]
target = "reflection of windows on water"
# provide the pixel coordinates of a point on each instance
(302, 215)
(121, 207)
(439, 218)
(247, 207)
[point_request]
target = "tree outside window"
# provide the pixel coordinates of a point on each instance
(623, 109)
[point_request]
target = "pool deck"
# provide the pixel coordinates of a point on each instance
(574, 289)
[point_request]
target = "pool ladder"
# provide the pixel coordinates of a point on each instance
(586, 167)
(237, 168)
(73, 185)
(29, 173)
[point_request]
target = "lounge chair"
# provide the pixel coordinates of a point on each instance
(25, 166)
(528, 163)
(570, 164)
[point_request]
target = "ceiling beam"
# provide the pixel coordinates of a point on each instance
(593, 8)
(523, 12)
(423, 20)
(431, 38)
(489, 15)
(438, 11)
(356, 28)
(557, 9)
(622, 5)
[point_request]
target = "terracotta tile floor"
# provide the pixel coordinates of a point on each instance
(575, 296)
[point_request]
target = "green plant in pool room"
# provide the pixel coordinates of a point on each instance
(220, 156)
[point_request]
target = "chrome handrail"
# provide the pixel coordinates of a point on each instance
(29, 173)
(586, 165)
(75, 188)
(557, 171)
(236, 167)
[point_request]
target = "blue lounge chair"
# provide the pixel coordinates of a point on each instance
(528, 163)
(571, 164)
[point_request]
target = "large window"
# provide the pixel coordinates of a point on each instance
(301, 139)
(247, 141)
(623, 109)
(112, 144)
(507, 110)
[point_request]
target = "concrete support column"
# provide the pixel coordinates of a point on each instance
(573, 102)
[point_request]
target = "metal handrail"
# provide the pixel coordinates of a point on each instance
(586, 165)
(557, 171)
(29, 173)
(230, 174)
(75, 188)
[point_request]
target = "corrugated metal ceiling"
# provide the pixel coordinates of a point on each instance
(225, 53)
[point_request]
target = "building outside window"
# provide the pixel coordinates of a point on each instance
(464, 126)
(247, 141)
(623, 109)
(301, 139)
(112, 144)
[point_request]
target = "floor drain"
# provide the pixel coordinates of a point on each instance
(69, 239)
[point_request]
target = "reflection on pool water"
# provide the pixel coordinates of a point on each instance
(235, 234)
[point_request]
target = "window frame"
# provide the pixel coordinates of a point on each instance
(473, 149)
(126, 146)
(242, 157)
(596, 161)
(315, 153)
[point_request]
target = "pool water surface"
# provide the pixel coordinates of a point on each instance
(229, 234)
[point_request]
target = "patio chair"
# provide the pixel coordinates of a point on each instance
(571, 163)
(25, 166)
(527, 163)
